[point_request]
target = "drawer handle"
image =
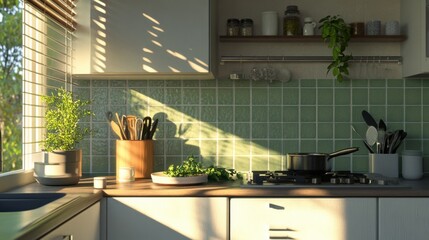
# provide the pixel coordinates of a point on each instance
(276, 207)
(281, 230)
(281, 237)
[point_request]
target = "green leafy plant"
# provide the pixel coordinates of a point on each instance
(63, 114)
(338, 33)
(191, 167)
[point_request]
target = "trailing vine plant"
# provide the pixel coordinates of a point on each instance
(338, 33)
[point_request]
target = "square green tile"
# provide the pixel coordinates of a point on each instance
(259, 114)
(360, 164)
(395, 82)
(275, 114)
(275, 130)
(260, 147)
(425, 131)
(225, 147)
(242, 163)
(173, 147)
(342, 96)
(118, 96)
(413, 83)
(308, 82)
(259, 163)
(208, 113)
(134, 83)
(100, 164)
(208, 131)
(325, 130)
(360, 96)
(414, 130)
(225, 96)
(225, 83)
(308, 96)
(275, 96)
(308, 114)
(174, 114)
(291, 114)
(226, 161)
(395, 114)
(150, 83)
(425, 95)
(357, 113)
(156, 96)
(341, 164)
(209, 83)
(259, 130)
(242, 130)
(208, 96)
(191, 113)
(342, 114)
(275, 162)
(341, 144)
(395, 96)
(243, 83)
(308, 146)
(276, 147)
(308, 130)
(342, 130)
(259, 96)
(242, 114)
(100, 96)
(291, 130)
(344, 84)
(377, 83)
(325, 114)
(325, 146)
(377, 96)
(291, 146)
(425, 144)
(325, 96)
(225, 114)
(99, 83)
(173, 83)
(158, 147)
(378, 112)
(190, 83)
(208, 147)
(191, 96)
(100, 147)
(325, 83)
(290, 96)
(242, 147)
(176, 160)
(101, 130)
(292, 83)
(426, 113)
(82, 93)
(360, 83)
(413, 96)
(225, 130)
(413, 114)
(83, 82)
(242, 96)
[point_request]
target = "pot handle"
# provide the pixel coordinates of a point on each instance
(343, 152)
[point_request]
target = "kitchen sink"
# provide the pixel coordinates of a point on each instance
(15, 202)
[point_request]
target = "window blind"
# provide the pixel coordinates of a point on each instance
(47, 54)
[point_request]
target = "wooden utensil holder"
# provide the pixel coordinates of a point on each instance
(137, 154)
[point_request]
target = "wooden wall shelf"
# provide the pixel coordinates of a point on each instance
(316, 38)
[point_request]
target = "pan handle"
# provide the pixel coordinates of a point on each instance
(342, 152)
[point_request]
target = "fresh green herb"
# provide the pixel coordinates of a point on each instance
(191, 167)
(338, 33)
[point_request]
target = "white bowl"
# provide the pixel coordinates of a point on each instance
(162, 178)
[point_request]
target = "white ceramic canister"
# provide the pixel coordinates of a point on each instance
(309, 26)
(270, 21)
(412, 164)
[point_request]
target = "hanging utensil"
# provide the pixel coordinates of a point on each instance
(152, 131)
(371, 135)
(363, 140)
(131, 124)
(139, 128)
(121, 126)
(370, 121)
(147, 123)
(116, 129)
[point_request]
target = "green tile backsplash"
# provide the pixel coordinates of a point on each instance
(252, 125)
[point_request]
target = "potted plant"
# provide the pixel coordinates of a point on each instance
(338, 33)
(62, 162)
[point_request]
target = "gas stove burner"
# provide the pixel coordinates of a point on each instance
(317, 178)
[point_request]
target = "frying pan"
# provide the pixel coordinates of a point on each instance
(314, 162)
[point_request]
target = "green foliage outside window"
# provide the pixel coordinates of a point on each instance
(10, 84)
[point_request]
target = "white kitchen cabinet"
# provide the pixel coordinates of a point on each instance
(303, 218)
(403, 218)
(167, 218)
(145, 39)
(415, 51)
(85, 225)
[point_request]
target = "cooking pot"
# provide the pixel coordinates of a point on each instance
(314, 162)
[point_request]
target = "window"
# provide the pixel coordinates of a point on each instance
(44, 28)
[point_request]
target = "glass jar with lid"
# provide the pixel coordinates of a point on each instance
(292, 21)
(233, 27)
(246, 27)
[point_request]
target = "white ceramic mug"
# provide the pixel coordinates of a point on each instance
(412, 164)
(270, 23)
(100, 182)
(309, 26)
(126, 174)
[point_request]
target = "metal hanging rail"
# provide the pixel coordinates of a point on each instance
(359, 59)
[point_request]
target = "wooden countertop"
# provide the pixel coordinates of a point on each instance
(145, 188)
